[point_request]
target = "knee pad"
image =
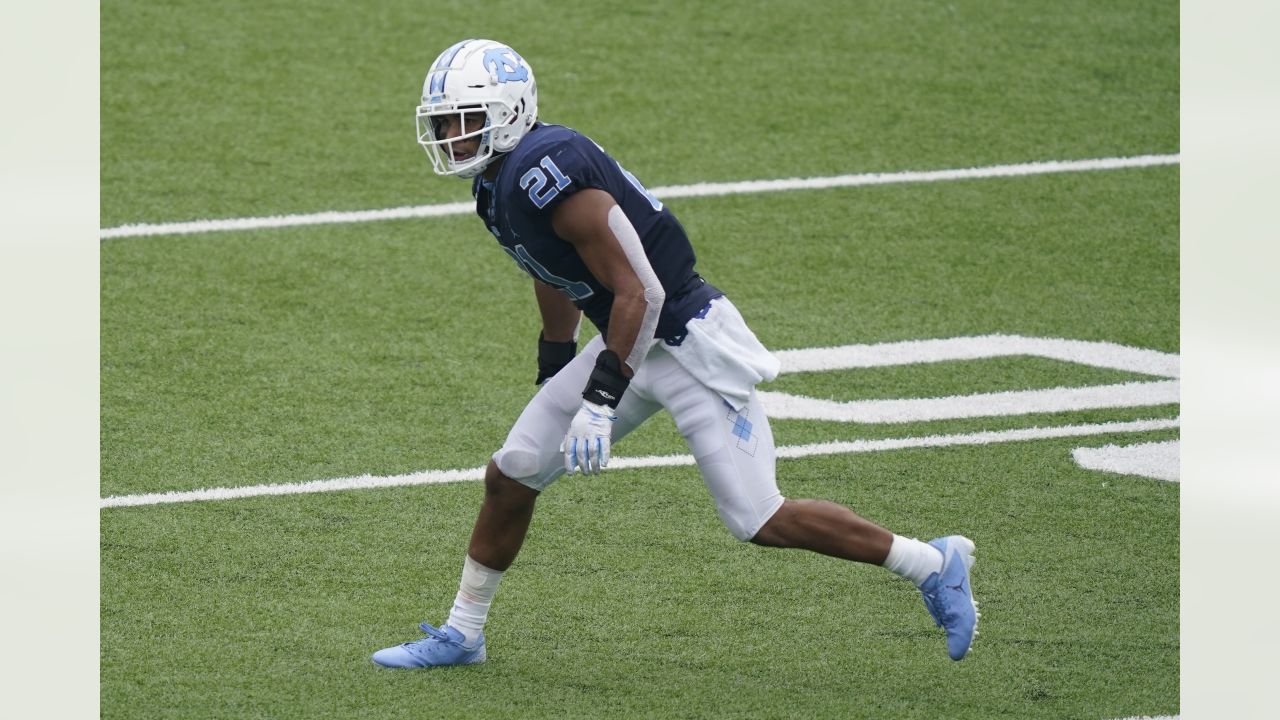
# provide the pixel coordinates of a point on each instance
(746, 520)
(517, 463)
(739, 517)
(740, 530)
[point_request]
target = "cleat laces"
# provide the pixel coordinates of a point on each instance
(433, 635)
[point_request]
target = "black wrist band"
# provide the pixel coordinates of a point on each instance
(607, 382)
(553, 356)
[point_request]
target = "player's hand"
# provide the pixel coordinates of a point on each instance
(586, 445)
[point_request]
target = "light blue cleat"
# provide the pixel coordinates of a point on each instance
(949, 597)
(441, 646)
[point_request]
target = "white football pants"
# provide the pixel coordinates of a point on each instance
(734, 450)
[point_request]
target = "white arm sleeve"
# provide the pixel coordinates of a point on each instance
(654, 295)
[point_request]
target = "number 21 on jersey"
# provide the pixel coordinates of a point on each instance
(536, 182)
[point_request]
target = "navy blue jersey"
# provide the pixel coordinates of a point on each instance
(551, 163)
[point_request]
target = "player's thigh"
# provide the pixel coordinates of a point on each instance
(734, 451)
(531, 453)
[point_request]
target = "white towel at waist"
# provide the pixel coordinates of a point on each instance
(723, 354)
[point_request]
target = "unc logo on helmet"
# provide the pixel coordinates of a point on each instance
(506, 64)
(479, 89)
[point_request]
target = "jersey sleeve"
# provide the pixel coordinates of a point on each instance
(561, 169)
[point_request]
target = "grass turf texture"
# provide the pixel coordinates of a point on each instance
(298, 354)
(310, 353)
(631, 599)
(245, 108)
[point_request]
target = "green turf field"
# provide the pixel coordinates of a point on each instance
(288, 355)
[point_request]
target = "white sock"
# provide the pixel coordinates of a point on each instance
(912, 559)
(475, 594)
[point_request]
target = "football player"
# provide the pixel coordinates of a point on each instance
(596, 243)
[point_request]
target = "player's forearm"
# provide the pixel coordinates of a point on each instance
(560, 317)
(625, 323)
(638, 301)
(608, 244)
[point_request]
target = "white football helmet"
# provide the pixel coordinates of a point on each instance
(471, 79)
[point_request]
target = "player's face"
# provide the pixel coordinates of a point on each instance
(452, 126)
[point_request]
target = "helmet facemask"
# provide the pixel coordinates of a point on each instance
(441, 149)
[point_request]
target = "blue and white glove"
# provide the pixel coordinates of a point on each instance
(586, 445)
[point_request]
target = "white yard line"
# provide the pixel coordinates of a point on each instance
(666, 193)
(428, 477)
(1159, 460)
(978, 347)
(1014, 402)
